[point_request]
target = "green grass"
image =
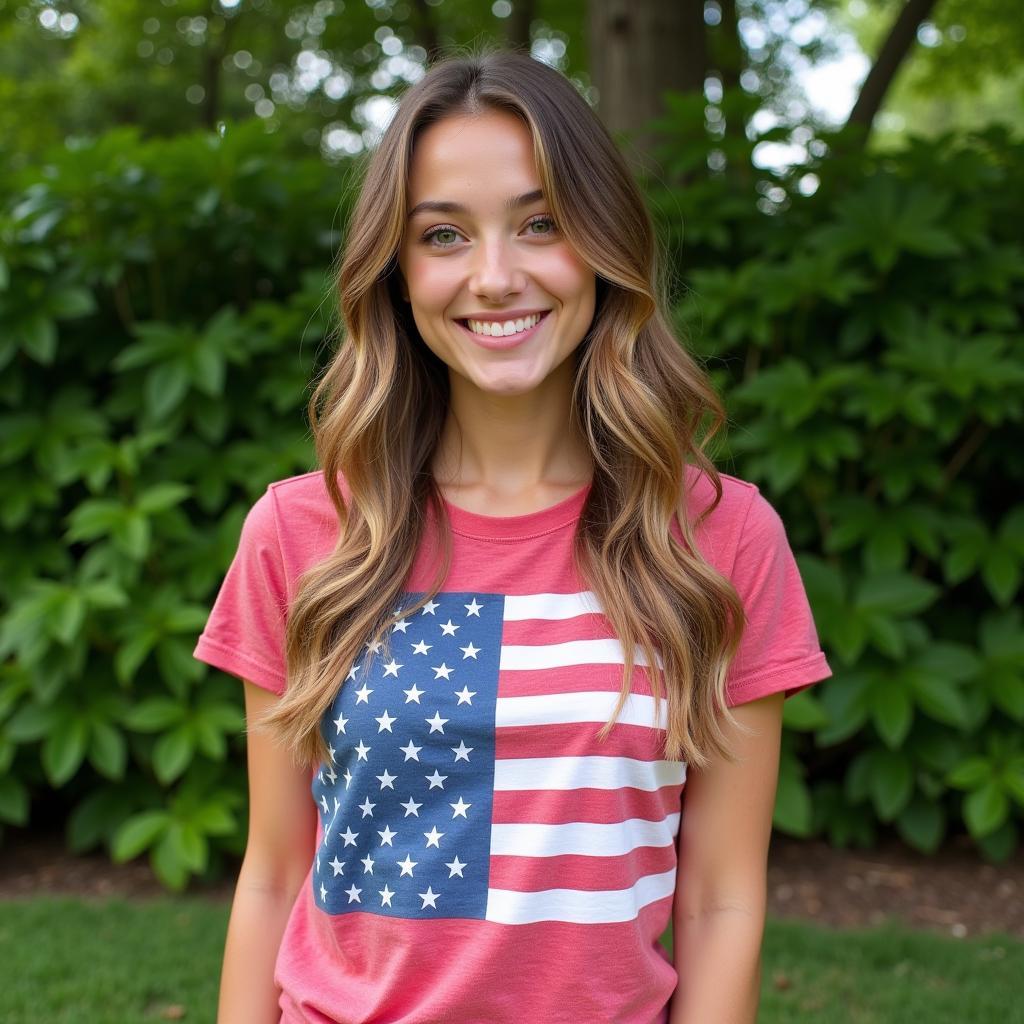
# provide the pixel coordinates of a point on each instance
(118, 962)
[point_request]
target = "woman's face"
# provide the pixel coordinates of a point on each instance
(479, 259)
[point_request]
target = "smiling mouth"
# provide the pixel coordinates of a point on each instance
(500, 338)
(503, 329)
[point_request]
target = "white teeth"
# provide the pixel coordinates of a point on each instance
(494, 329)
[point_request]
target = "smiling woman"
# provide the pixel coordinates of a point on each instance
(516, 620)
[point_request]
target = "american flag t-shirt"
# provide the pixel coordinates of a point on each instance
(466, 779)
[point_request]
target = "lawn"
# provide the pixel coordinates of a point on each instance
(117, 962)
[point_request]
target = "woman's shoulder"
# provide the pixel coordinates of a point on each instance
(740, 508)
(299, 510)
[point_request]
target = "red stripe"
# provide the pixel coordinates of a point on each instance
(604, 806)
(589, 874)
(578, 739)
(570, 679)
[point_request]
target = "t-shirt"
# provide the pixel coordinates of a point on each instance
(481, 855)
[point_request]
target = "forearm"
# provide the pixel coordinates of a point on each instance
(248, 994)
(718, 957)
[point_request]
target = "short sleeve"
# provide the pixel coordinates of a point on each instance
(779, 649)
(245, 632)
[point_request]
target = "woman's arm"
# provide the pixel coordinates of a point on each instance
(721, 890)
(278, 854)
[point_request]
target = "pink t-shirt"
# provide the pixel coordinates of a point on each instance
(480, 855)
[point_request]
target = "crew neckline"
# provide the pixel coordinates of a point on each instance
(519, 527)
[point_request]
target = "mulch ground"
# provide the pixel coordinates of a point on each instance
(953, 892)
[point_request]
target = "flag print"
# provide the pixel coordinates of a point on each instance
(466, 779)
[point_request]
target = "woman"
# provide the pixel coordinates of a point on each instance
(514, 619)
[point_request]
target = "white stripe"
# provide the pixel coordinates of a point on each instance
(584, 838)
(582, 706)
(550, 606)
(608, 651)
(578, 906)
(598, 772)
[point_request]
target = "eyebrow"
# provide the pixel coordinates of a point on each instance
(447, 206)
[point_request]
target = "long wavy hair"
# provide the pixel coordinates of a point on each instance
(645, 405)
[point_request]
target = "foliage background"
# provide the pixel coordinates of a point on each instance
(165, 298)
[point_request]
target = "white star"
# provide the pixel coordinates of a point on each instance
(413, 694)
(387, 835)
(470, 651)
(320, 777)
(363, 694)
(465, 695)
(331, 751)
(323, 801)
(448, 628)
(385, 895)
(350, 837)
(362, 750)
(456, 867)
(323, 893)
(442, 670)
(386, 779)
(373, 647)
(473, 609)
(384, 722)
(433, 837)
(428, 608)
(331, 774)
(337, 805)
(421, 648)
(338, 866)
(367, 865)
(411, 807)
(462, 751)
(348, 777)
(339, 723)
(352, 672)
(428, 897)
(436, 779)
(406, 865)
(353, 893)
(460, 808)
(401, 626)
(436, 723)
(391, 668)
(367, 808)
(410, 750)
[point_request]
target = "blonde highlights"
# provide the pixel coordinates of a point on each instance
(645, 406)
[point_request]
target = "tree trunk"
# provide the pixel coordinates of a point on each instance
(638, 50)
(890, 58)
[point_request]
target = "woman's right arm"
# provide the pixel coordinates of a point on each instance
(278, 854)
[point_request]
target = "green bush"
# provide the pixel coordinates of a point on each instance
(162, 308)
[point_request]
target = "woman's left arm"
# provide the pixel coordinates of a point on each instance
(721, 891)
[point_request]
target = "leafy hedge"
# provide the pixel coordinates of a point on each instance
(163, 305)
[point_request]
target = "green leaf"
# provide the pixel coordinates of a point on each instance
(138, 833)
(161, 497)
(970, 774)
(166, 386)
(891, 711)
(154, 714)
(39, 338)
(890, 782)
(804, 712)
(985, 809)
(898, 593)
(168, 863)
(64, 749)
(108, 751)
(792, 802)
(922, 824)
(939, 697)
(173, 753)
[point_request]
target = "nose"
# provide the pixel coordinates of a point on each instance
(496, 270)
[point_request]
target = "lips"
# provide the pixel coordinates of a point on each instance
(500, 342)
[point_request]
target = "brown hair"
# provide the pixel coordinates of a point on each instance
(638, 396)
